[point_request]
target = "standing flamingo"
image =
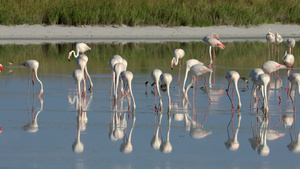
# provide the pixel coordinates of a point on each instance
(166, 79)
(271, 67)
(288, 61)
(198, 70)
(81, 64)
(278, 40)
(127, 77)
(188, 64)
(270, 37)
(205, 40)
(78, 77)
(178, 55)
(291, 44)
(155, 75)
(264, 80)
(80, 47)
(254, 76)
(212, 43)
(233, 77)
(33, 66)
(114, 60)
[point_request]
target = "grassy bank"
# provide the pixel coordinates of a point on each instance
(145, 12)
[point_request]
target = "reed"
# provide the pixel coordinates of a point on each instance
(145, 12)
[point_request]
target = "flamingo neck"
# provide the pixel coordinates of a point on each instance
(169, 98)
(185, 77)
(134, 106)
(210, 55)
(37, 78)
(238, 94)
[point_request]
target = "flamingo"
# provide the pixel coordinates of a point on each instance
(205, 40)
(118, 68)
(263, 80)
(294, 146)
(198, 70)
(81, 64)
(188, 64)
(166, 79)
(233, 77)
(78, 76)
(288, 61)
(114, 60)
(254, 75)
(127, 77)
(156, 140)
(291, 44)
(33, 66)
(278, 40)
(270, 37)
(212, 43)
(271, 67)
(126, 146)
(263, 149)
(294, 78)
(155, 75)
(178, 55)
(166, 146)
(80, 47)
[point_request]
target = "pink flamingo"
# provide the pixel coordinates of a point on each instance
(114, 60)
(188, 64)
(33, 66)
(263, 80)
(198, 70)
(270, 37)
(233, 77)
(80, 47)
(127, 77)
(271, 67)
(155, 75)
(212, 43)
(205, 40)
(118, 68)
(294, 78)
(166, 79)
(254, 77)
(78, 77)
(81, 64)
(278, 40)
(291, 44)
(178, 55)
(288, 60)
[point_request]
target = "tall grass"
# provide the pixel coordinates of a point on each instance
(145, 12)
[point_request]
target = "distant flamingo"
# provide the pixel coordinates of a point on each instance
(118, 68)
(33, 66)
(198, 70)
(264, 80)
(166, 79)
(178, 55)
(212, 43)
(271, 67)
(127, 77)
(188, 64)
(278, 40)
(233, 77)
(270, 37)
(294, 78)
(78, 77)
(288, 61)
(205, 40)
(291, 44)
(80, 47)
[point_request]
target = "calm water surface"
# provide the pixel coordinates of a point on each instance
(193, 134)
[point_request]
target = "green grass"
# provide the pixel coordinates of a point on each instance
(145, 12)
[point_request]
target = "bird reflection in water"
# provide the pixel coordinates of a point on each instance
(81, 122)
(156, 139)
(259, 140)
(126, 147)
(233, 143)
(166, 146)
(290, 120)
(32, 125)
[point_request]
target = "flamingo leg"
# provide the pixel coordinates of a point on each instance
(280, 85)
(229, 96)
(206, 90)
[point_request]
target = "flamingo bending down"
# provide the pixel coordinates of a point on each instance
(114, 60)
(263, 80)
(118, 68)
(271, 67)
(213, 42)
(291, 44)
(78, 76)
(33, 66)
(80, 47)
(198, 70)
(233, 77)
(288, 61)
(188, 64)
(270, 37)
(155, 75)
(127, 77)
(294, 78)
(178, 55)
(166, 79)
(254, 76)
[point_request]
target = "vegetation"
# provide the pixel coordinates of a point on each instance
(145, 12)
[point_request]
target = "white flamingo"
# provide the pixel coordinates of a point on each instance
(33, 66)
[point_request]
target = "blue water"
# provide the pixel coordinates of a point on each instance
(50, 144)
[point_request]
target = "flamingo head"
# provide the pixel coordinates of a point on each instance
(172, 62)
(217, 36)
(69, 56)
(0, 68)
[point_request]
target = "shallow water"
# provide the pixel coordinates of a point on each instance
(194, 133)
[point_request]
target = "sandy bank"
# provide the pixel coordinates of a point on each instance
(29, 34)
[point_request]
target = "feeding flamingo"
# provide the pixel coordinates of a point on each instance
(288, 61)
(291, 44)
(198, 70)
(178, 55)
(188, 64)
(233, 77)
(264, 80)
(127, 77)
(80, 47)
(166, 79)
(114, 60)
(294, 78)
(118, 68)
(254, 76)
(33, 66)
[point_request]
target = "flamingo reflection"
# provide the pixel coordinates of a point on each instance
(126, 146)
(156, 139)
(166, 146)
(294, 145)
(32, 125)
(81, 121)
(233, 144)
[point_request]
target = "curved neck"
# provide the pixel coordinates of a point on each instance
(37, 78)
(237, 93)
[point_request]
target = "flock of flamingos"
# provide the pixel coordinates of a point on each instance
(259, 76)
